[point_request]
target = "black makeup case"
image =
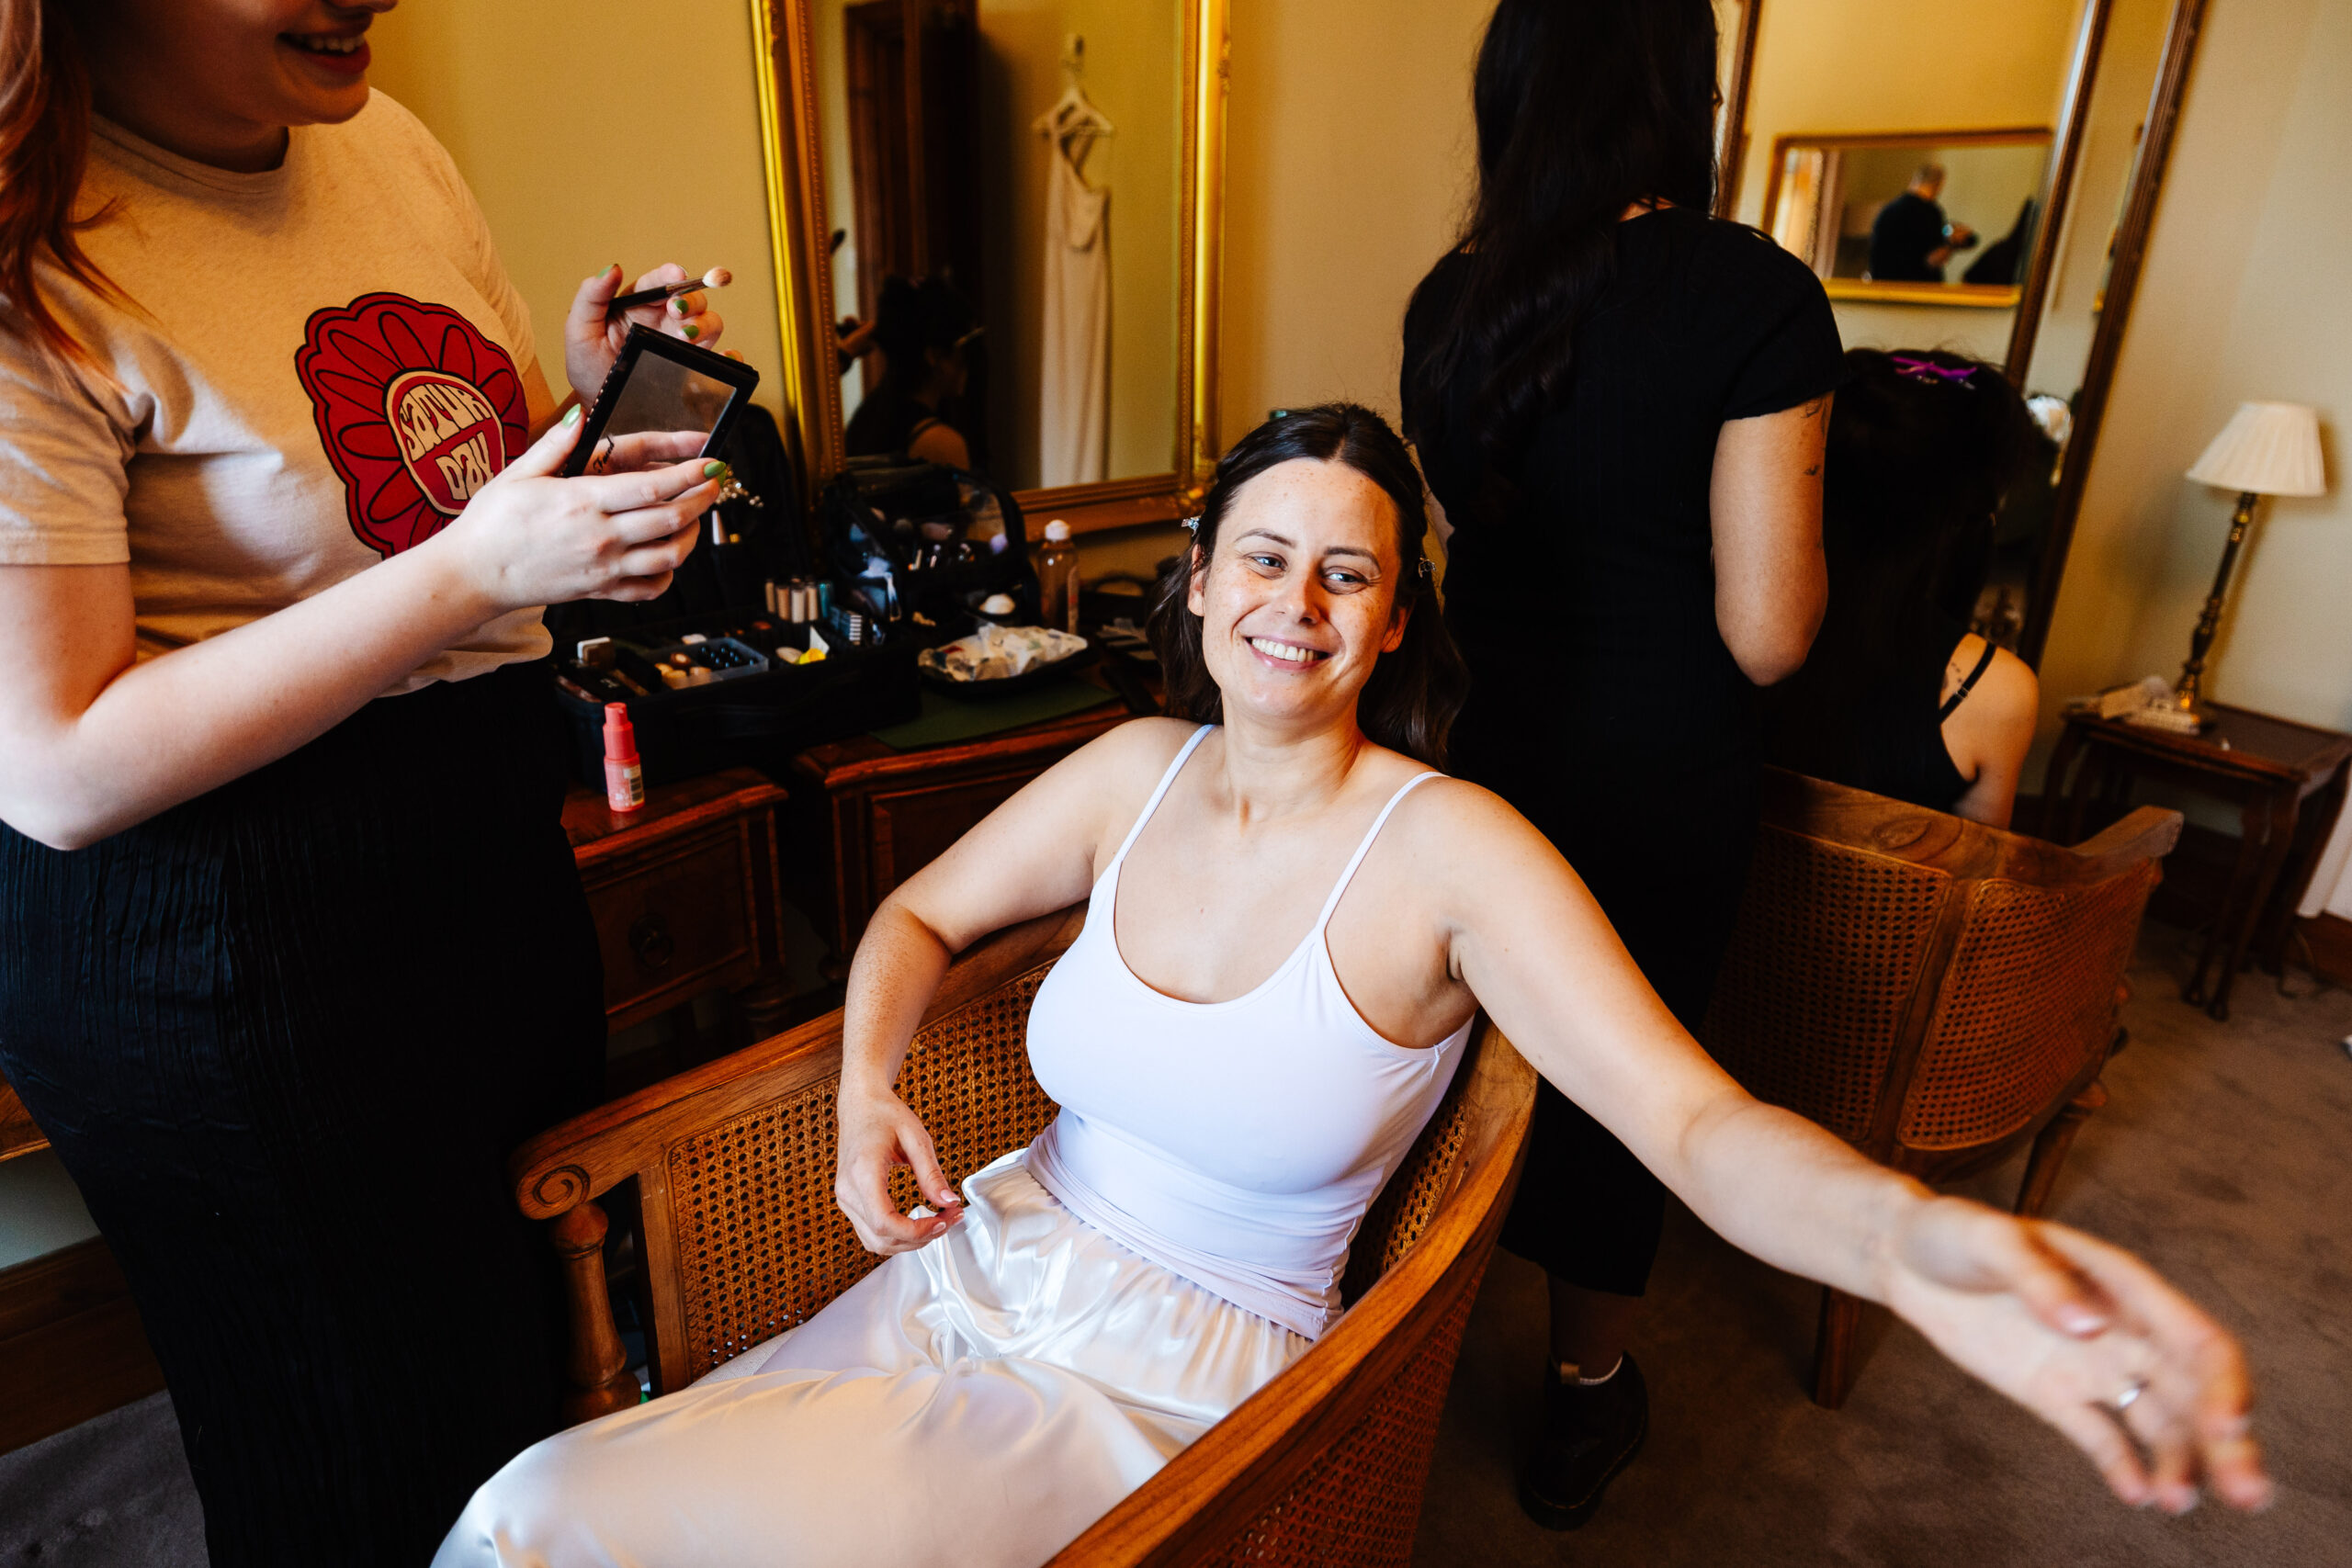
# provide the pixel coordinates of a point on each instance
(752, 708)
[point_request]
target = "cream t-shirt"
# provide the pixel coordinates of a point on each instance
(317, 367)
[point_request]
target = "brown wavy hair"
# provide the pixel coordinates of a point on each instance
(44, 147)
(1410, 702)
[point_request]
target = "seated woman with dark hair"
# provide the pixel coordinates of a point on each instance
(1898, 697)
(923, 333)
(1292, 921)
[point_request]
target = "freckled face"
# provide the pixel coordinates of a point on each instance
(1300, 599)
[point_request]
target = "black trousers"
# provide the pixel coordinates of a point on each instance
(283, 1037)
(1663, 844)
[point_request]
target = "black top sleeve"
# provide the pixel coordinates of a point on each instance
(1779, 330)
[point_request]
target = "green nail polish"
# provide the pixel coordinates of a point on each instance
(712, 469)
(693, 331)
(571, 416)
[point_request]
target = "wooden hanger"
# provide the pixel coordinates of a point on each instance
(1074, 113)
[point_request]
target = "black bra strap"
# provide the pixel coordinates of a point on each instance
(1960, 696)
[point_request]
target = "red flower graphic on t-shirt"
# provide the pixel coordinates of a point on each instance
(416, 409)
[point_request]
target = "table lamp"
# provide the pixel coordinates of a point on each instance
(2266, 449)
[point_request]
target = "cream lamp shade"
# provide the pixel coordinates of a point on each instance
(2266, 449)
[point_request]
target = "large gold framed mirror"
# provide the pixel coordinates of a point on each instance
(2050, 125)
(996, 234)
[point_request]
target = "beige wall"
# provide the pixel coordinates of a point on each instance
(2243, 297)
(1350, 150)
(600, 130)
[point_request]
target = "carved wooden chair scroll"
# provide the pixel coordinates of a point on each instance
(732, 1164)
(1937, 992)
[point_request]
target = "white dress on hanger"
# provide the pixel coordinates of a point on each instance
(1074, 393)
(1171, 1240)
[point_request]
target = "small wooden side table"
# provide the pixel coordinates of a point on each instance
(2269, 767)
(866, 817)
(684, 893)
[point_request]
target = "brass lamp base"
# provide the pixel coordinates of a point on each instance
(2187, 696)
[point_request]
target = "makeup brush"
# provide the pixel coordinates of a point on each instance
(716, 277)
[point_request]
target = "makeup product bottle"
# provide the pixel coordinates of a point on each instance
(1057, 579)
(623, 779)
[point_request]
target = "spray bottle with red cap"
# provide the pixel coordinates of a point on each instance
(624, 780)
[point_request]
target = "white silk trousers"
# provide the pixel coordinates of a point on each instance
(978, 1402)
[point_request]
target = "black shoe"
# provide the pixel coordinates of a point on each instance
(1589, 1434)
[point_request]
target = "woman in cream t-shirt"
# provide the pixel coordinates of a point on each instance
(292, 950)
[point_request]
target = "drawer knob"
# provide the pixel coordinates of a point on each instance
(650, 940)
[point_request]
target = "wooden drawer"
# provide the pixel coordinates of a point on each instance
(674, 922)
(907, 829)
(865, 816)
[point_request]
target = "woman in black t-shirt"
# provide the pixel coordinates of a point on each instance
(1620, 403)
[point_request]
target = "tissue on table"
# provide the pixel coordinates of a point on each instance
(997, 653)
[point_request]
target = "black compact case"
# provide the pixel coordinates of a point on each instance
(753, 708)
(658, 383)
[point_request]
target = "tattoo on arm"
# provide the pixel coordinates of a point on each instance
(1809, 411)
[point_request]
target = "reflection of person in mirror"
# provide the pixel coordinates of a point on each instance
(923, 337)
(1910, 238)
(292, 948)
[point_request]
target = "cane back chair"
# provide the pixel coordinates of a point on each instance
(1936, 992)
(732, 1170)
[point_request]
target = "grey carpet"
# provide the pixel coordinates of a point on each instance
(112, 1493)
(2225, 1158)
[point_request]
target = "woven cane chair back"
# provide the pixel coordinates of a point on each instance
(1821, 966)
(1916, 982)
(2028, 1003)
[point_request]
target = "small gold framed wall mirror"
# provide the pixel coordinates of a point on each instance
(1920, 218)
(996, 230)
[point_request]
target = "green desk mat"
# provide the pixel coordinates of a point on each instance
(945, 719)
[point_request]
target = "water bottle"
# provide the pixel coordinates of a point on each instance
(1057, 579)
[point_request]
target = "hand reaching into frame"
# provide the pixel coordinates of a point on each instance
(2092, 1341)
(880, 1133)
(592, 338)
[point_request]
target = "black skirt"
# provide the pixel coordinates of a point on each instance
(283, 1037)
(1662, 841)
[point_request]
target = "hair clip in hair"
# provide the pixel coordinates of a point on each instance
(1927, 370)
(1428, 572)
(1193, 526)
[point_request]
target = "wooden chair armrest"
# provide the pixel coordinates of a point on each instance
(587, 1155)
(19, 1132)
(1212, 1491)
(2148, 833)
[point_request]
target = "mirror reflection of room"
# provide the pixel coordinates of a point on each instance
(1956, 209)
(1001, 190)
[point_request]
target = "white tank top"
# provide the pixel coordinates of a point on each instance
(1238, 1142)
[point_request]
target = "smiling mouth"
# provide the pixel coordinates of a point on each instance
(333, 45)
(1289, 652)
